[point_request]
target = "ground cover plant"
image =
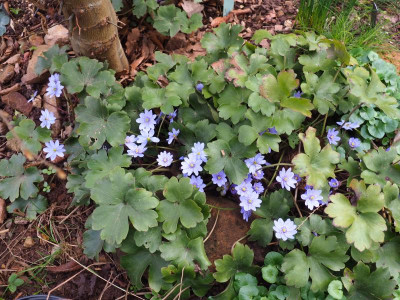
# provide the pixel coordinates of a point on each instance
(302, 136)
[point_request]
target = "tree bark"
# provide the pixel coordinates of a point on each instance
(94, 32)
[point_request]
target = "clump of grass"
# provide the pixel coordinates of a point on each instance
(353, 26)
(313, 14)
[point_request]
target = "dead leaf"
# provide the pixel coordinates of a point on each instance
(131, 41)
(65, 268)
(191, 7)
(219, 20)
(3, 211)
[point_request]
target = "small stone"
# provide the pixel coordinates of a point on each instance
(17, 102)
(3, 211)
(31, 77)
(29, 242)
(57, 35)
(278, 27)
(6, 74)
(36, 40)
(288, 24)
(280, 13)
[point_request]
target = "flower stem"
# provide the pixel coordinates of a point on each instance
(276, 170)
(278, 164)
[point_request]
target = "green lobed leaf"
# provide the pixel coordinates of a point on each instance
(184, 251)
(315, 164)
(240, 261)
(83, 72)
(18, 182)
(179, 206)
(93, 116)
(365, 225)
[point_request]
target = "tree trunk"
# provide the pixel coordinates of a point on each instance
(94, 32)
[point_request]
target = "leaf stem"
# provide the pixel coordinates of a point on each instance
(278, 164)
(159, 128)
(276, 170)
(323, 126)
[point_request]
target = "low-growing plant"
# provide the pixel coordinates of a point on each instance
(327, 200)
(166, 18)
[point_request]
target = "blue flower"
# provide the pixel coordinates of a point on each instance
(136, 150)
(354, 143)
(147, 136)
(255, 163)
(297, 94)
(297, 177)
(54, 149)
(198, 150)
(164, 159)
(258, 188)
(334, 183)
(308, 187)
(332, 136)
(250, 201)
(219, 178)
(312, 198)
(54, 87)
(272, 130)
(47, 118)
(258, 175)
(191, 165)
(284, 229)
(249, 178)
(244, 188)
(286, 179)
(246, 214)
(199, 87)
(225, 189)
(233, 189)
(172, 116)
(146, 120)
(348, 125)
(197, 182)
(33, 97)
(130, 139)
(172, 135)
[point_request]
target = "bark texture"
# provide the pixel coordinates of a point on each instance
(94, 32)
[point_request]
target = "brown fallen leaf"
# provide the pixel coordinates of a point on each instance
(3, 211)
(65, 268)
(191, 7)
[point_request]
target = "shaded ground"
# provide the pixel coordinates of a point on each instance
(30, 245)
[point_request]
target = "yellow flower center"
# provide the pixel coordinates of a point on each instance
(219, 177)
(284, 229)
(147, 119)
(191, 165)
(312, 197)
(353, 144)
(250, 201)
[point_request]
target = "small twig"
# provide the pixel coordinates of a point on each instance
(212, 229)
(64, 282)
(180, 288)
(276, 170)
(295, 201)
(4, 231)
(180, 292)
(63, 220)
(242, 238)
(301, 224)
(170, 291)
(107, 285)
